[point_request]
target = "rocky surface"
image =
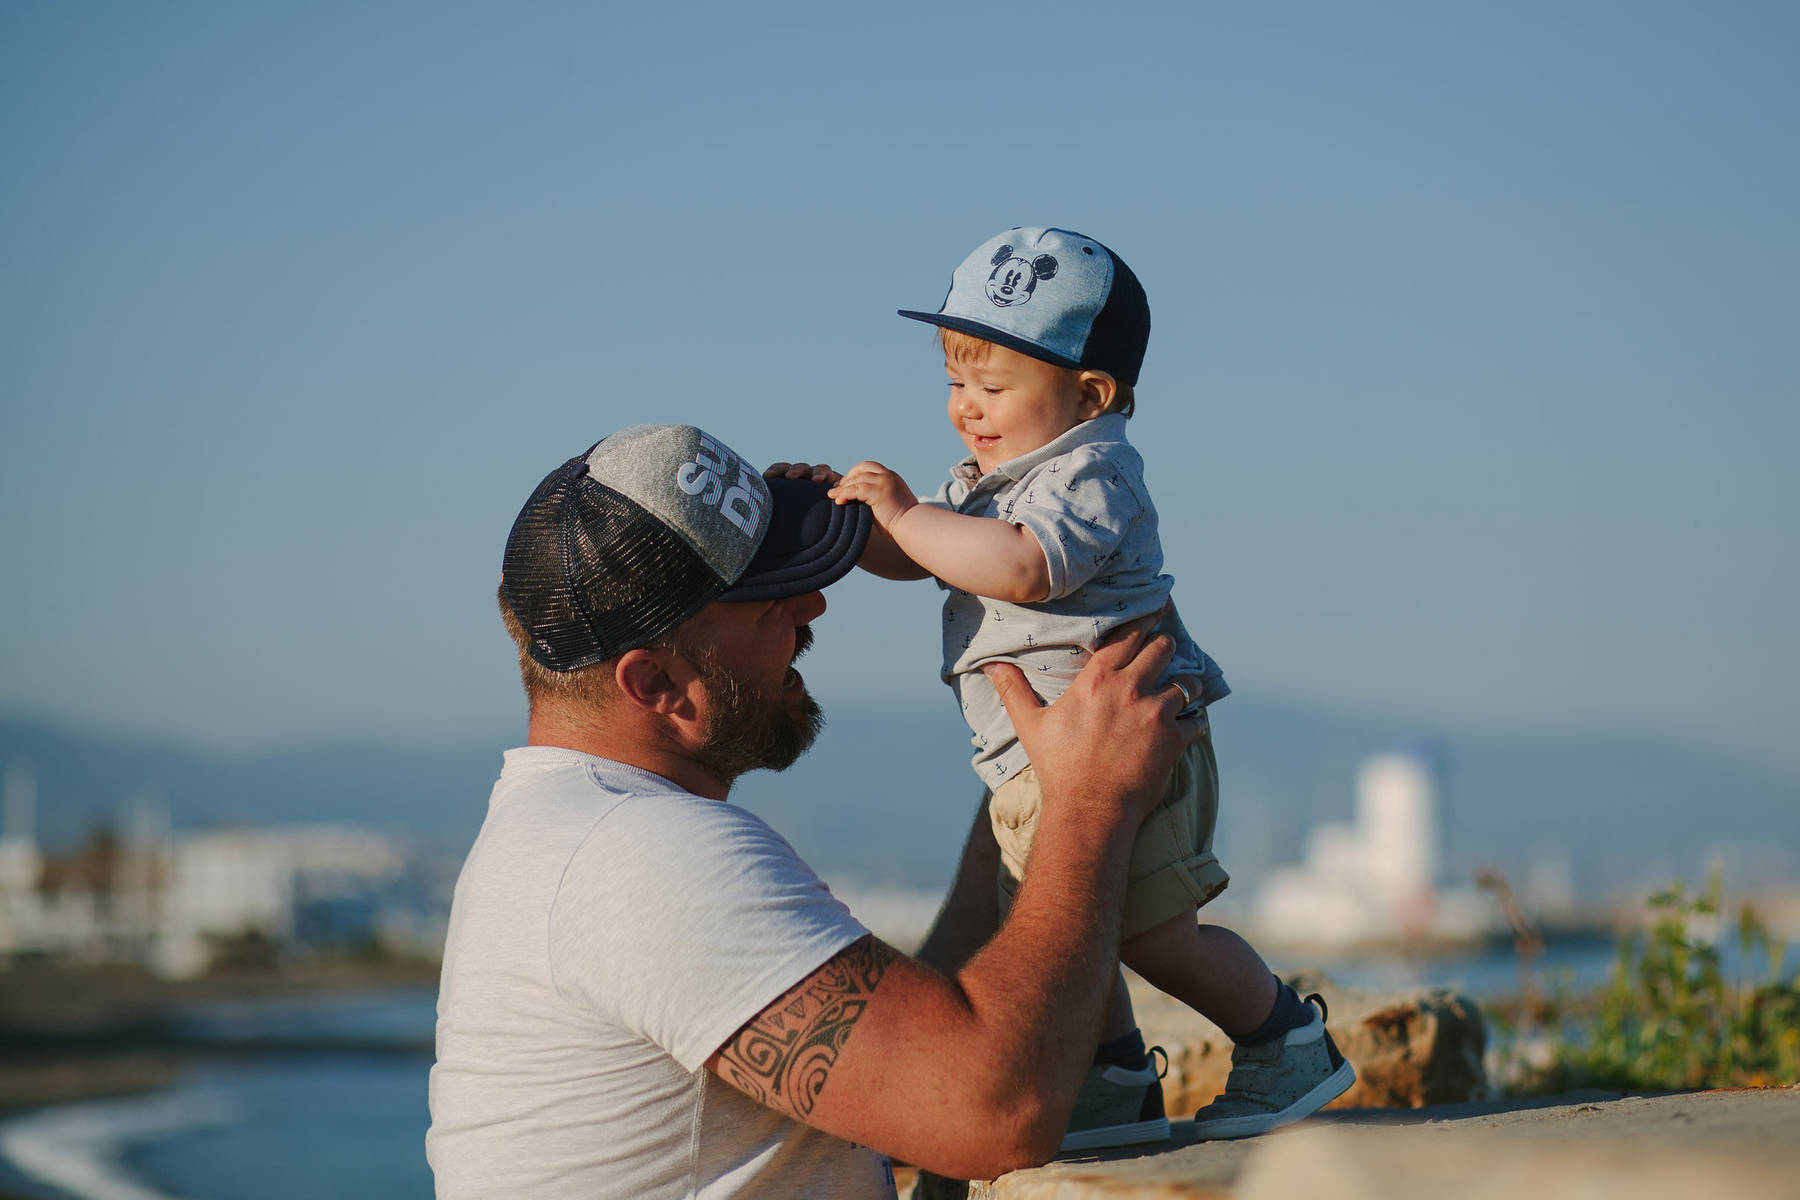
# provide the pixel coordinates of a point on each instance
(1410, 1049)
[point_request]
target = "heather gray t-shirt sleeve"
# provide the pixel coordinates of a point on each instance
(680, 918)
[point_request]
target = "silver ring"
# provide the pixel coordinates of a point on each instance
(1187, 701)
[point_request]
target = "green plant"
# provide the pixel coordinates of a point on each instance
(1670, 1019)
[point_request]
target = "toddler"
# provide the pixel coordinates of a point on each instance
(1045, 539)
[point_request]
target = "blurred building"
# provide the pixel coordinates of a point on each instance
(138, 892)
(1376, 877)
(294, 886)
(21, 867)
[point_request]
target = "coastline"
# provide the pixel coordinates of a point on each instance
(93, 1059)
(82, 1033)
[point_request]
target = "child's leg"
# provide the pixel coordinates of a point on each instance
(1210, 969)
(1120, 1020)
(1284, 1065)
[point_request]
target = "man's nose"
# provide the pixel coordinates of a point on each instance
(808, 608)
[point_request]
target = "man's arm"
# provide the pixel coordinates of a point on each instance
(983, 555)
(971, 910)
(973, 1073)
(783, 1056)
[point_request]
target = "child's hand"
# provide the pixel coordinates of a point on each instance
(818, 473)
(882, 490)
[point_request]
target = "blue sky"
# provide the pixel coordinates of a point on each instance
(1471, 394)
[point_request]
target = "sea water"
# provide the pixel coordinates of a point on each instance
(295, 1125)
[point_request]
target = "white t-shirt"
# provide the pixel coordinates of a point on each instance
(610, 931)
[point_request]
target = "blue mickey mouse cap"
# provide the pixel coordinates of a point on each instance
(1053, 295)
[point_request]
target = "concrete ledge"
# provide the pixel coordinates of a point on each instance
(1583, 1146)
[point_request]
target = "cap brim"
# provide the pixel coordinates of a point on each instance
(988, 333)
(812, 542)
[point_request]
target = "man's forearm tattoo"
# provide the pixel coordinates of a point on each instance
(781, 1058)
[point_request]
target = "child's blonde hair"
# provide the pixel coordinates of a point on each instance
(966, 347)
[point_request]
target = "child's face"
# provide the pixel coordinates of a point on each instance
(1008, 405)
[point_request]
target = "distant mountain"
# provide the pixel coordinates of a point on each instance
(887, 796)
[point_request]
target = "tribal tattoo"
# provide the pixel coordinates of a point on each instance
(783, 1055)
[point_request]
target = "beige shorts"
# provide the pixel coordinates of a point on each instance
(1173, 868)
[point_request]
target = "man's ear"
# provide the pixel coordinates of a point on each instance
(1098, 393)
(655, 680)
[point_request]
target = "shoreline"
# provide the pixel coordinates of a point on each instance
(69, 1034)
(107, 1048)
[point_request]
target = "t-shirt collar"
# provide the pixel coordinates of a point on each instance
(1107, 427)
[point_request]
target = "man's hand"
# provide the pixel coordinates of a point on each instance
(881, 489)
(817, 472)
(1113, 731)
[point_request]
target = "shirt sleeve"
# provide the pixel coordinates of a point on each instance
(681, 918)
(1081, 508)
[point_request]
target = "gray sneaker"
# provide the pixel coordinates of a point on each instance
(1119, 1106)
(1278, 1082)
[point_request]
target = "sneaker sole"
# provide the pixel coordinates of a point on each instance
(1323, 1093)
(1135, 1134)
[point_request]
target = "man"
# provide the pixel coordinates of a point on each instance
(645, 991)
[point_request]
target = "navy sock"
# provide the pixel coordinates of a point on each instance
(1127, 1052)
(1290, 1012)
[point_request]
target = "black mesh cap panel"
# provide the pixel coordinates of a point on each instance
(590, 574)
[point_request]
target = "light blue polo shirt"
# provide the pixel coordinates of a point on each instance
(1083, 497)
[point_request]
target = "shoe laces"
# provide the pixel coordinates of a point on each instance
(1160, 1057)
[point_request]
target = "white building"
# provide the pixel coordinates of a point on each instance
(1375, 877)
(232, 882)
(169, 900)
(21, 866)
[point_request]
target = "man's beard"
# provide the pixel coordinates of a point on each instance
(748, 730)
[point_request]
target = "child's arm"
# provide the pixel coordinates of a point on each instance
(983, 555)
(881, 556)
